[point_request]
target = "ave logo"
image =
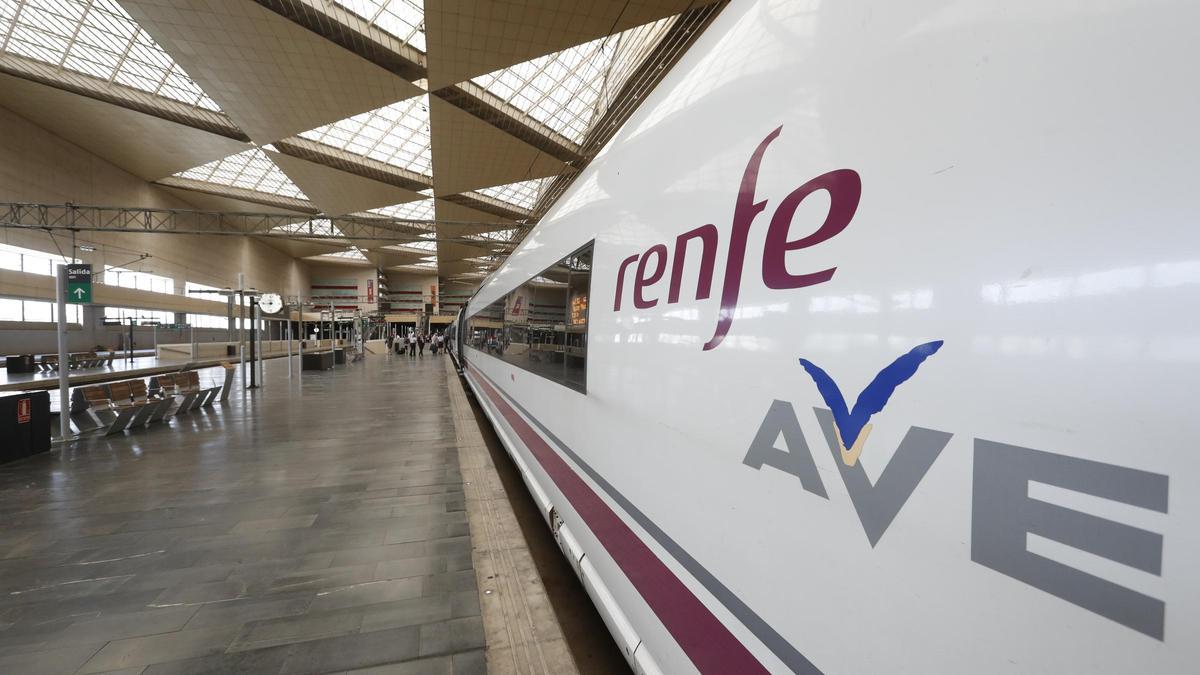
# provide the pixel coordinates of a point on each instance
(846, 430)
(1003, 511)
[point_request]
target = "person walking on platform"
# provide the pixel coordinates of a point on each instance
(421, 343)
(412, 345)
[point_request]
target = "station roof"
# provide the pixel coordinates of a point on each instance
(474, 114)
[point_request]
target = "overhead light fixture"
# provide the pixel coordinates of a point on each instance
(87, 249)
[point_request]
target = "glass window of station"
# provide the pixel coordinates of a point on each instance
(14, 309)
(542, 325)
(29, 260)
(143, 281)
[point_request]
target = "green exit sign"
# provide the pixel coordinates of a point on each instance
(79, 284)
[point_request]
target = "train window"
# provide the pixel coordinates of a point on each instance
(579, 285)
(541, 326)
(486, 327)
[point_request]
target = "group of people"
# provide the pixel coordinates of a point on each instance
(414, 343)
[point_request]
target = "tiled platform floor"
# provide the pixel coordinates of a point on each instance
(314, 526)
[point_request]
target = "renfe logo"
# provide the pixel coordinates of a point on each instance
(844, 188)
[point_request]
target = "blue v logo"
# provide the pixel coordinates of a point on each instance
(852, 426)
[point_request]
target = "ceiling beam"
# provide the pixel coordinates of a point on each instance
(508, 120)
(349, 229)
(120, 95)
(325, 22)
(313, 151)
(253, 196)
(493, 206)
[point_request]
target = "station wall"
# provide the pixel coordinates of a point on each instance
(343, 285)
(36, 166)
(453, 295)
(409, 292)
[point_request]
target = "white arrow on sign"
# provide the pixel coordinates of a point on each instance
(79, 292)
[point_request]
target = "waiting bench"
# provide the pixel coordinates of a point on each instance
(109, 407)
(49, 362)
(186, 387)
(130, 404)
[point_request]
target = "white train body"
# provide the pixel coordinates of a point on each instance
(1010, 185)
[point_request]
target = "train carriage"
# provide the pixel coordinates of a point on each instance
(869, 344)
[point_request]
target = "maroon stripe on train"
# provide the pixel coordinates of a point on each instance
(705, 640)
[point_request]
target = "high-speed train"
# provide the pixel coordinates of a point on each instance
(871, 344)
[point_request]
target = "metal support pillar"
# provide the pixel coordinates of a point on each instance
(262, 356)
(241, 278)
(253, 332)
(289, 341)
(64, 363)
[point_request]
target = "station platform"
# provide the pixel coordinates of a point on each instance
(318, 524)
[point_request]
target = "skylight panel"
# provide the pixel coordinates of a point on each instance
(403, 18)
(351, 254)
(410, 246)
(250, 170)
(523, 194)
(559, 90)
(96, 38)
(568, 90)
(418, 210)
(396, 134)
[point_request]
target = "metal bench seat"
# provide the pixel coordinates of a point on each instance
(172, 385)
(130, 404)
(156, 406)
(185, 386)
(133, 414)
